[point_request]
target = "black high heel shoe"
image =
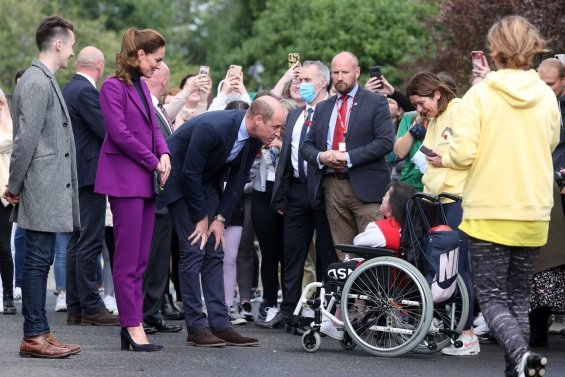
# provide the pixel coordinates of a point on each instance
(127, 341)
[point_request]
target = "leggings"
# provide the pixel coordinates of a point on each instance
(6, 261)
(503, 281)
(232, 236)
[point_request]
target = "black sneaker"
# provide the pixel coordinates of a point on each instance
(244, 309)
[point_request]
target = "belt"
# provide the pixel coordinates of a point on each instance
(339, 176)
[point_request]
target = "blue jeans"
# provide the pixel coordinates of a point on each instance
(60, 266)
(40, 253)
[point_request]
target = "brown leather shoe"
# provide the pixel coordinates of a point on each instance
(232, 338)
(37, 346)
(74, 318)
(204, 338)
(74, 348)
(102, 318)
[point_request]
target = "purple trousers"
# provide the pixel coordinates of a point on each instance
(134, 219)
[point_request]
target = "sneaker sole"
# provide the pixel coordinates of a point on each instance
(214, 345)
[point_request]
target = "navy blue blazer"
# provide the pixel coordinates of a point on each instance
(370, 136)
(199, 149)
(88, 126)
(284, 166)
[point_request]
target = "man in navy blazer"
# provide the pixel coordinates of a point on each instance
(290, 197)
(349, 167)
(208, 150)
(84, 304)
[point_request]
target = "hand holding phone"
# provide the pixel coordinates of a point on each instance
(236, 70)
(375, 71)
(477, 59)
(204, 70)
(293, 58)
(427, 151)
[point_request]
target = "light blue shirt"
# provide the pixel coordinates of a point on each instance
(333, 118)
(242, 137)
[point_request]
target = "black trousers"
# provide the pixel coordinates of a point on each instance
(83, 249)
(300, 222)
(6, 261)
(156, 276)
(268, 226)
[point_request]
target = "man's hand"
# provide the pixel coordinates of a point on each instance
(373, 85)
(200, 233)
(11, 198)
(164, 168)
(217, 229)
(333, 159)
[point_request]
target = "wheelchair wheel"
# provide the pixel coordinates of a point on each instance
(448, 321)
(347, 343)
(311, 341)
(387, 306)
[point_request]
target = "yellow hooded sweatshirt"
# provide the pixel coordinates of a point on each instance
(506, 140)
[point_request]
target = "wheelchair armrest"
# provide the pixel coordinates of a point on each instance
(366, 251)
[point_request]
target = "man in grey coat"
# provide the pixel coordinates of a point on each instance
(43, 179)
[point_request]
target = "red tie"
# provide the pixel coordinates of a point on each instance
(339, 131)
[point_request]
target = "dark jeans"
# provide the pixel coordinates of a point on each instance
(40, 253)
(6, 261)
(20, 246)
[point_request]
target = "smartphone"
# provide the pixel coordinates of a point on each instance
(427, 151)
(477, 58)
(236, 70)
(293, 57)
(204, 70)
(375, 71)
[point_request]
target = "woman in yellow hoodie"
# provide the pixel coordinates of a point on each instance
(506, 141)
(436, 99)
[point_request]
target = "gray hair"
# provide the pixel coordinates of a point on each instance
(323, 70)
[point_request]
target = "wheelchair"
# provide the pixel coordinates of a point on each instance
(384, 302)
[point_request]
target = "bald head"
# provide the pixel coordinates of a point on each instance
(552, 72)
(90, 61)
(265, 119)
(345, 71)
(158, 84)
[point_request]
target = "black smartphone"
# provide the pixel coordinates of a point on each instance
(427, 151)
(375, 71)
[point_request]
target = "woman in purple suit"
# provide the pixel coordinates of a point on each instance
(133, 148)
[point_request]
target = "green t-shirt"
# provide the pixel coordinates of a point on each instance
(410, 173)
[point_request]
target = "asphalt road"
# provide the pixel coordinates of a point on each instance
(279, 354)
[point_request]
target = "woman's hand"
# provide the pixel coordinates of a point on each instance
(164, 168)
(434, 159)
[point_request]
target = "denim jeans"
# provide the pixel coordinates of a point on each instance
(20, 253)
(40, 253)
(60, 266)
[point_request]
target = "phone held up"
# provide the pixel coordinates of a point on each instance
(204, 70)
(375, 71)
(236, 70)
(293, 57)
(477, 58)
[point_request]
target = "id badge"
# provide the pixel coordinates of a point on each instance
(341, 147)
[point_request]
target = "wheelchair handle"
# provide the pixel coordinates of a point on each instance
(428, 197)
(447, 195)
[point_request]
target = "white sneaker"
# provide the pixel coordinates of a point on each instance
(470, 347)
(61, 304)
(327, 327)
(17, 293)
(307, 312)
(111, 305)
(271, 313)
(555, 328)
(235, 318)
(481, 326)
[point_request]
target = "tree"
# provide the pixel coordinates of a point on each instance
(384, 32)
(465, 24)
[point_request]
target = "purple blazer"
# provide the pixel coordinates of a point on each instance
(133, 143)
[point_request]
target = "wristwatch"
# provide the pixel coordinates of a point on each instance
(220, 218)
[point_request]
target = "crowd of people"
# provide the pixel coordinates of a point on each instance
(172, 185)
